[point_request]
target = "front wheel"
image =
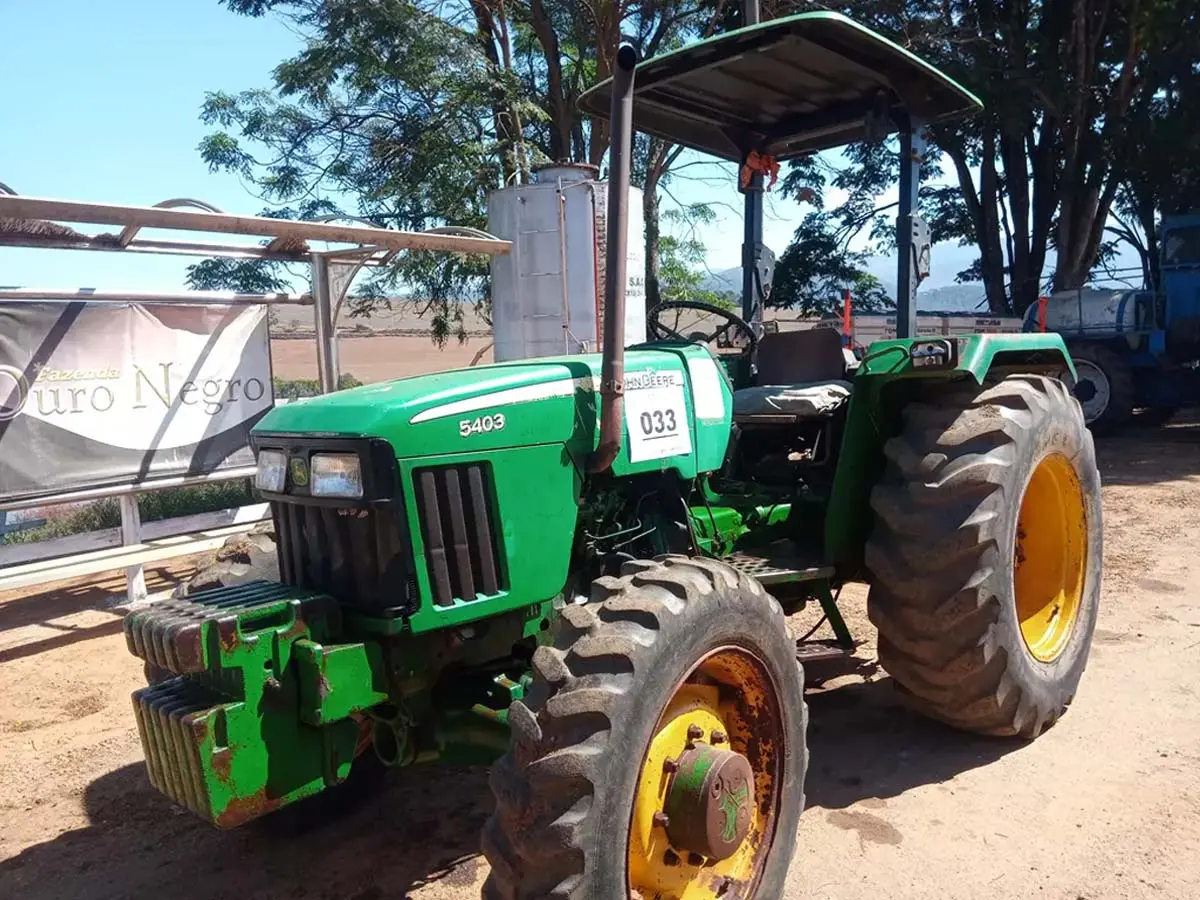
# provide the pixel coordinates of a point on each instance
(986, 555)
(660, 752)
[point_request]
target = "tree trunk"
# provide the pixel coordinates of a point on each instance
(653, 257)
(486, 31)
(515, 114)
(982, 209)
(562, 113)
(991, 249)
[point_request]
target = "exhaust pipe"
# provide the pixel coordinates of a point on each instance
(612, 369)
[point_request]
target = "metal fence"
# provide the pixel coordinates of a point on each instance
(39, 223)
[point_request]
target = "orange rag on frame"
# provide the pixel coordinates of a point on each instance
(756, 162)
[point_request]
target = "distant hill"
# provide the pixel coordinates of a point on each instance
(945, 298)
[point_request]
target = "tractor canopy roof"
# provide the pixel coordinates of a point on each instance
(785, 88)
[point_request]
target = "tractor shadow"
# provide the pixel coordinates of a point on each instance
(419, 828)
(1151, 455)
(863, 743)
(56, 608)
(414, 828)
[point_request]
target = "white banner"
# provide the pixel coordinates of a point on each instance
(104, 393)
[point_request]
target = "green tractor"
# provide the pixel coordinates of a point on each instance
(580, 567)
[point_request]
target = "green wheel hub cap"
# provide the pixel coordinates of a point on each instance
(708, 801)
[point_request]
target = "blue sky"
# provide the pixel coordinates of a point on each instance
(105, 108)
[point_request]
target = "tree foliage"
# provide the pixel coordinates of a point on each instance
(1068, 86)
(407, 113)
(681, 275)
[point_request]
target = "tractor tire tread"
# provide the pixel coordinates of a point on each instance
(935, 552)
(545, 786)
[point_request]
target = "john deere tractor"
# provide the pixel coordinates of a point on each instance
(581, 567)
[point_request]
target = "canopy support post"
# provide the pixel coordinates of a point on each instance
(752, 218)
(327, 367)
(912, 232)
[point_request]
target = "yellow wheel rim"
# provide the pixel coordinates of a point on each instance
(728, 701)
(1050, 557)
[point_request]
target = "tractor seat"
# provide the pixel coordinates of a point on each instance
(801, 375)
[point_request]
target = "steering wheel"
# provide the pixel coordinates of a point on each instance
(662, 332)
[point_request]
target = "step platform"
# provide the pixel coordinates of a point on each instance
(782, 568)
(817, 651)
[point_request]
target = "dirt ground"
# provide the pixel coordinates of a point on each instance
(1104, 806)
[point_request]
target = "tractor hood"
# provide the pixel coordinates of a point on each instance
(448, 411)
(552, 400)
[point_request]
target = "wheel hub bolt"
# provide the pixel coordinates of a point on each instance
(670, 765)
(661, 819)
(695, 732)
(718, 737)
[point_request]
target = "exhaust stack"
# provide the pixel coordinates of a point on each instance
(612, 371)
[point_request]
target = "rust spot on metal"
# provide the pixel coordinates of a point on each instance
(189, 649)
(298, 628)
(323, 687)
(727, 888)
(227, 634)
(241, 810)
(222, 765)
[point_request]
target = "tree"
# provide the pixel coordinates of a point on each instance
(818, 266)
(408, 114)
(1061, 82)
(682, 258)
(816, 269)
(1161, 156)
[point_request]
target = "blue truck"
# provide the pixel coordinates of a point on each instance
(1137, 353)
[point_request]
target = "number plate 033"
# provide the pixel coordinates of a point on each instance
(657, 422)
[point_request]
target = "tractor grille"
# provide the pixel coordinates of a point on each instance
(458, 527)
(360, 556)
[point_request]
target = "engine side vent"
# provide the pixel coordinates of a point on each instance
(458, 527)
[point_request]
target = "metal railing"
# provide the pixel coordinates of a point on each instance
(37, 222)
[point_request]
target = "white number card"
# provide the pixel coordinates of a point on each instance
(656, 415)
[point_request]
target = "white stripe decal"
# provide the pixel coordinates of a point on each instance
(562, 388)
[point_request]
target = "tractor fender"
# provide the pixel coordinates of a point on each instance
(887, 380)
(979, 355)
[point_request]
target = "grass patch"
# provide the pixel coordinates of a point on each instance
(154, 506)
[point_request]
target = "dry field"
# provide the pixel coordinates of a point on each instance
(378, 358)
(1104, 806)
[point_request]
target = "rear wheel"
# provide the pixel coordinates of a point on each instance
(986, 555)
(1104, 389)
(660, 752)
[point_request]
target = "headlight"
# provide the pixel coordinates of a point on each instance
(336, 475)
(272, 464)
